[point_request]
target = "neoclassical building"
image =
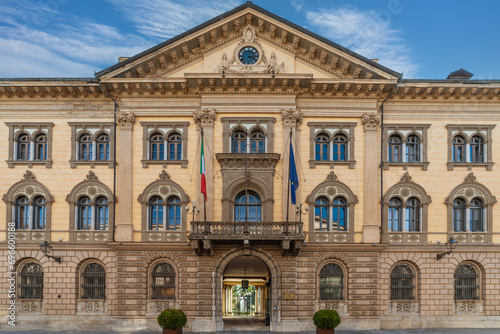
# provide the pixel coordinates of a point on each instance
(106, 170)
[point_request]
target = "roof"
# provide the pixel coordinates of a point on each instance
(261, 10)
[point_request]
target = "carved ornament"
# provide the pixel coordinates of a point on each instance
(291, 117)
(204, 117)
(163, 176)
(125, 119)
(28, 175)
(371, 121)
(91, 176)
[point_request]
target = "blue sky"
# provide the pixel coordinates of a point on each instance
(425, 39)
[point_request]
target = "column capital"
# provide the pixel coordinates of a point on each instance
(371, 121)
(204, 117)
(125, 119)
(291, 117)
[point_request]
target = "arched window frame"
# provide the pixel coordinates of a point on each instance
(165, 189)
(30, 279)
(92, 279)
(35, 131)
(157, 147)
(239, 141)
(395, 152)
(339, 271)
(337, 152)
(403, 282)
(94, 190)
(331, 189)
(467, 287)
(173, 274)
(254, 202)
(412, 148)
(167, 130)
(473, 156)
(414, 140)
(30, 188)
(257, 141)
(248, 125)
(459, 148)
(322, 147)
(86, 147)
(97, 132)
(469, 190)
(404, 190)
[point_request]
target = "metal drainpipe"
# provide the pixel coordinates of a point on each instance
(113, 222)
(382, 160)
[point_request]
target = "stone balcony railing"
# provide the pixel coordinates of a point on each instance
(203, 236)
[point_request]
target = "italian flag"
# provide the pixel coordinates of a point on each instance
(202, 171)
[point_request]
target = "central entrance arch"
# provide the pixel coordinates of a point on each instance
(262, 272)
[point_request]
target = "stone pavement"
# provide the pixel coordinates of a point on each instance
(4, 330)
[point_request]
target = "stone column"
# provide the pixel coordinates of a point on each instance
(123, 211)
(292, 119)
(371, 227)
(205, 118)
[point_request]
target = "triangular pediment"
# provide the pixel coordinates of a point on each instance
(279, 47)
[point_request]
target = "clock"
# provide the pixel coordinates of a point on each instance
(248, 55)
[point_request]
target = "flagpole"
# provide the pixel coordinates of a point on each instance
(288, 192)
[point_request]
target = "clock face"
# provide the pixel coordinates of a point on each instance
(248, 55)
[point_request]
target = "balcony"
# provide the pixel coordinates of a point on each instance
(289, 235)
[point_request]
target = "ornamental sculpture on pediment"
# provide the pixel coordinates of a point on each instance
(125, 119)
(371, 121)
(204, 117)
(291, 117)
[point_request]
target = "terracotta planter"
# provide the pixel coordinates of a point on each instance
(325, 331)
(172, 331)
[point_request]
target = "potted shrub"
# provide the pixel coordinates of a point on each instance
(326, 321)
(172, 321)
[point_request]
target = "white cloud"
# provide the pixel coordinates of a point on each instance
(168, 18)
(366, 33)
(298, 5)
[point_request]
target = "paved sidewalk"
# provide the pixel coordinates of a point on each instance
(402, 331)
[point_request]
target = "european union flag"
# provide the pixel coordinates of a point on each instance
(294, 179)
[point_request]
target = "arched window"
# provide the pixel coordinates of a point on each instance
(458, 149)
(41, 147)
(339, 148)
(239, 142)
(476, 149)
(413, 148)
(321, 216)
(459, 215)
(476, 215)
(22, 210)
(156, 213)
(322, 147)
(103, 148)
(84, 214)
(30, 285)
(163, 281)
(93, 281)
(39, 214)
(174, 213)
(156, 147)
(174, 147)
(85, 147)
(394, 148)
(331, 282)
(339, 214)
(412, 215)
(23, 147)
(254, 207)
(395, 207)
(257, 142)
(402, 285)
(102, 214)
(466, 283)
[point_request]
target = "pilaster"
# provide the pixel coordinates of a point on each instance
(204, 119)
(124, 229)
(371, 227)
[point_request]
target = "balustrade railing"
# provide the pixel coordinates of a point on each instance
(247, 229)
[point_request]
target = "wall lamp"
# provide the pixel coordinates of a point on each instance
(299, 211)
(451, 245)
(46, 248)
(194, 211)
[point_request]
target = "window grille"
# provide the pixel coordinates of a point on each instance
(31, 281)
(466, 283)
(331, 282)
(163, 282)
(94, 282)
(402, 286)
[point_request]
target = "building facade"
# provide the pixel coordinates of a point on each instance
(108, 171)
